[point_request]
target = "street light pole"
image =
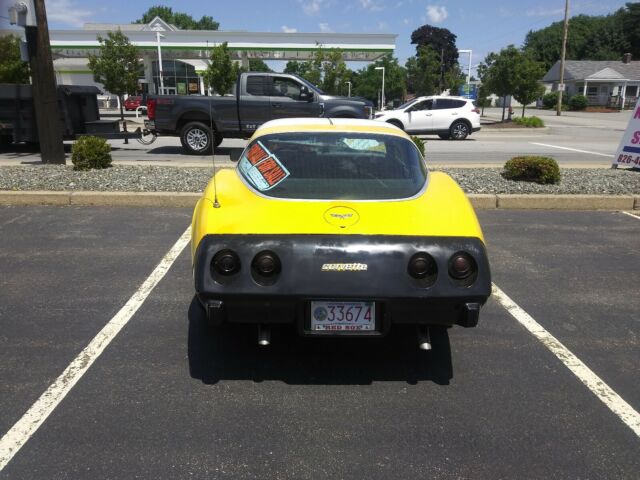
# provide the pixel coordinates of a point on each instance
(158, 37)
(564, 51)
(382, 99)
(349, 83)
(469, 69)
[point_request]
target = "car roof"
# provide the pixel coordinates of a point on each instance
(292, 125)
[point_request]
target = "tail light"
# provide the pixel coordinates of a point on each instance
(225, 263)
(477, 110)
(463, 268)
(266, 264)
(151, 108)
(423, 268)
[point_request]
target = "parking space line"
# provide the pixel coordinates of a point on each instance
(24, 428)
(631, 215)
(572, 149)
(598, 387)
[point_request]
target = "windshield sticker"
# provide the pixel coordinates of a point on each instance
(361, 143)
(262, 168)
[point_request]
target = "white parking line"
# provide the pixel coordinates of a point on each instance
(631, 215)
(611, 399)
(573, 149)
(24, 428)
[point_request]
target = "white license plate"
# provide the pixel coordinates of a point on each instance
(343, 316)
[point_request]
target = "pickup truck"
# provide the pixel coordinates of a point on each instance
(257, 98)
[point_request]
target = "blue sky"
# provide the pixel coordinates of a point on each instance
(481, 25)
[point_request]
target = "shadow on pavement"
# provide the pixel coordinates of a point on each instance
(231, 352)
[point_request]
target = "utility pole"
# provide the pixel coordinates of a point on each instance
(561, 86)
(441, 71)
(45, 96)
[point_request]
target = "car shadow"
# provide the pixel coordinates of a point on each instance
(231, 352)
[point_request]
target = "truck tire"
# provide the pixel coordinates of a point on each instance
(195, 138)
(459, 130)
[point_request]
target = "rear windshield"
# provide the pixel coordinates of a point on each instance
(333, 166)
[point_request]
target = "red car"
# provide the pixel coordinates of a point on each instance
(132, 102)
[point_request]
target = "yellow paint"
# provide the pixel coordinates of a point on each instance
(443, 210)
(325, 127)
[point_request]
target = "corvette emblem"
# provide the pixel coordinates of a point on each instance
(345, 267)
(342, 217)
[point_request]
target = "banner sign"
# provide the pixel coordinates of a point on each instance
(628, 153)
(468, 91)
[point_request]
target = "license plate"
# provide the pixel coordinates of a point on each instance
(343, 316)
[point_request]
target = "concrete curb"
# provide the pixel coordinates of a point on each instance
(189, 199)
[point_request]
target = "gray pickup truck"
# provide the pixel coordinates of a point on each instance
(258, 97)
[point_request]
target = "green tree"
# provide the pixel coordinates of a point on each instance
(369, 80)
(442, 42)
(528, 88)
(12, 68)
(181, 20)
(222, 71)
(630, 27)
(334, 71)
(118, 65)
(423, 72)
(258, 65)
(498, 72)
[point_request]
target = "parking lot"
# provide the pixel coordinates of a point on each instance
(167, 399)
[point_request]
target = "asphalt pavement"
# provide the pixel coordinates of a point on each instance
(168, 399)
(575, 139)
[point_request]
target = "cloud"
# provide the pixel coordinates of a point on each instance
(65, 12)
(312, 7)
(325, 28)
(544, 12)
(371, 5)
(286, 29)
(437, 14)
(382, 26)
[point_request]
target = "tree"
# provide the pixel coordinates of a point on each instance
(258, 65)
(222, 71)
(528, 88)
(441, 41)
(334, 71)
(630, 22)
(181, 20)
(12, 68)
(498, 72)
(118, 65)
(369, 80)
(423, 72)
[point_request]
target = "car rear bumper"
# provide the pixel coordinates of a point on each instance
(380, 275)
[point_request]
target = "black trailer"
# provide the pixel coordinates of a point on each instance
(79, 115)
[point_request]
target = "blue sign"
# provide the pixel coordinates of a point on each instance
(469, 91)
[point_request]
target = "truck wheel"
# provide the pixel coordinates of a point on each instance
(195, 138)
(459, 130)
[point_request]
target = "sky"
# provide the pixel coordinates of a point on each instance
(480, 25)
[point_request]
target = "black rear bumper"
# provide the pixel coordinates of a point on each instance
(400, 298)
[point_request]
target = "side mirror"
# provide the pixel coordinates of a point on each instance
(235, 154)
(305, 94)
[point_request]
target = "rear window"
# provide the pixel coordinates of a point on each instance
(333, 166)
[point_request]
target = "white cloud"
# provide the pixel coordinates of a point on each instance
(436, 13)
(544, 12)
(382, 25)
(371, 5)
(286, 29)
(66, 13)
(312, 7)
(325, 28)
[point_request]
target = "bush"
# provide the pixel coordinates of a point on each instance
(530, 122)
(90, 152)
(532, 169)
(419, 143)
(578, 102)
(550, 100)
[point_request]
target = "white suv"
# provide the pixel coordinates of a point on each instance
(448, 117)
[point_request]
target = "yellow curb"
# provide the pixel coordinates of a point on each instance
(566, 202)
(33, 197)
(483, 201)
(136, 199)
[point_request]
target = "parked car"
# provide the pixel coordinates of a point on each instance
(258, 97)
(448, 117)
(337, 228)
(132, 102)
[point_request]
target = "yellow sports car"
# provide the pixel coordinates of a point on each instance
(336, 227)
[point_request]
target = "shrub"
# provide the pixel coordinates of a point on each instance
(530, 122)
(532, 169)
(419, 143)
(578, 102)
(90, 152)
(550, 100)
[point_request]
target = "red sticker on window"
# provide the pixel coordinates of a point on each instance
(272, 171)
(256, 153)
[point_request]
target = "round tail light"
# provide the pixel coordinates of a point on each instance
(421, 265)
(226, 262)
(266, 264)
(462, 266)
